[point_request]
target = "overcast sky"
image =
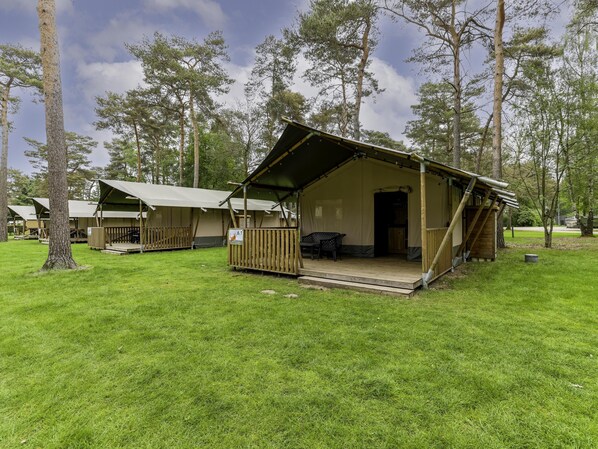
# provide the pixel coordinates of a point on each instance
(93, 57)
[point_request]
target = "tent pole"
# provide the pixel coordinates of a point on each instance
(423, 225)
(472, 224)
(245, 205)
(232, 214)
(298, 223)
(140, 227)
(449, 231)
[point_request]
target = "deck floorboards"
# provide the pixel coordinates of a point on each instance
(385, 271)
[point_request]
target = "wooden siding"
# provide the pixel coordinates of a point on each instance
(485, 246)
(445, 263)
(267, 249)
(97, 238)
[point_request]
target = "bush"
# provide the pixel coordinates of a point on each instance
(526, 217)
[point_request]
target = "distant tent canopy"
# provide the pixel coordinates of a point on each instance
(304, 155)
(78, 209)
(125, 195)
(26, 213)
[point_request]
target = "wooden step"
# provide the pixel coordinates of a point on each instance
(113, 252)
(401, 284)
(357, 286)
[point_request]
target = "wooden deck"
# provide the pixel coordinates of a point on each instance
(391, 272)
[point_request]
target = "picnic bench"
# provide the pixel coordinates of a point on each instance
(318, 243)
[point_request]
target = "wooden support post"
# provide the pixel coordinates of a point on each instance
(245, 206)
(298, 223)
(424, 225)
(490, 208)
(232, 214)
(141, 240)
(472, 224)
(447, 237)
(511, 222)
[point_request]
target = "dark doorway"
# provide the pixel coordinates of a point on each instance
(390, 223)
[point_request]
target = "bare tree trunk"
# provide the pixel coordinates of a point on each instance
(138, 152)
(195, 143)
(457, 87)
(457, 111)
(59, 251)
(499, 69)
(365, 54)
(181, 144)
(4, 167)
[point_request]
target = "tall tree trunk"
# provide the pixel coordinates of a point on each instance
(457, 111)
(195, 143)
(456, 47)
(181, 145)
(4, 166)
(499, 68)
(365, 54)
(59, 251)
(138, 151)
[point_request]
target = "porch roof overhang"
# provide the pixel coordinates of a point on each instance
(77, 209)
(125, 195)
(26, 213)
(304, 155)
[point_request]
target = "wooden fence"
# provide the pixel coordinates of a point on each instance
(122, 234)
(267, 249)
(445, 263)
(153, 238)
(167, 238)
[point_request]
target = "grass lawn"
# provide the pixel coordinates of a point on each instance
(174, 350)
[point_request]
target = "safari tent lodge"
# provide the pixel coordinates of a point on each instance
(24, 222)
(82, 218)
(368, 217)
(175, 217)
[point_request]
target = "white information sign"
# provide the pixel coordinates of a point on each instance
(235, 236)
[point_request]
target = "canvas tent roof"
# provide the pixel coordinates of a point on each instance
(303, 155)
(24, 212)
(79, 209)
(123, 195)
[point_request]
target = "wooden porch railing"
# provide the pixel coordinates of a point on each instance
(167, 238)
(153, 238)
(267, 249)
(435, 236)
(122, 234)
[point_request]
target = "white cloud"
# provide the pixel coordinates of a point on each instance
(391, 109)
(109, 43)
(98, 77)
(208, 10)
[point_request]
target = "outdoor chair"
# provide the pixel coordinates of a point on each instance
(323, 242)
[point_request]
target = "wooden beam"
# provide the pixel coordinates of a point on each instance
(473, 223)
(141, 240)
(232, 214)
(490, 209)
(447, 236)
(298, 223)
(424, 223)
(244, 206)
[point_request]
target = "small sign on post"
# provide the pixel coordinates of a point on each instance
(235, 236)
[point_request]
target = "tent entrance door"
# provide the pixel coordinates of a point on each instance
(390, 223)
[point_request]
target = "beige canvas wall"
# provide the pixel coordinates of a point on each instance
(344, 201)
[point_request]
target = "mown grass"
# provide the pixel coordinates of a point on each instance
(174, 350)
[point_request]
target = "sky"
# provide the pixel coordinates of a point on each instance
(93, 57)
